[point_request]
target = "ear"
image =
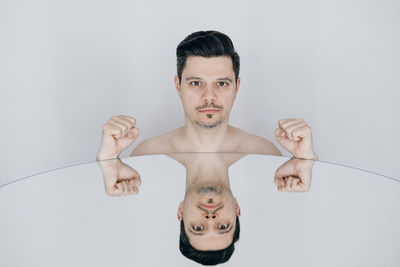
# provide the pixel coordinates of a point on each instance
(180, 213)
(237, 84)
(177, 86)
(237, 208)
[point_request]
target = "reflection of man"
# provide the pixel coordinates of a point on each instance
(209, 214)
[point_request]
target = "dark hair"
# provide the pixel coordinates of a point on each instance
(206, 44)
(207, 257)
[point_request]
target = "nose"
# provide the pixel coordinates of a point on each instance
(210, 215)
(209, 94)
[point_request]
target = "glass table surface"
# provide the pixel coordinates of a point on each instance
(128, 212)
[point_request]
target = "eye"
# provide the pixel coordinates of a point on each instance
(223, 226)
(195, 83)
(197, 228)
(223, 84)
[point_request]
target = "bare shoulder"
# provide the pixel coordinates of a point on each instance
(146, 147)
(156, 145)
(250, 143)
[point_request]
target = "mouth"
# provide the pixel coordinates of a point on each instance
(209, 111)
(210, 207)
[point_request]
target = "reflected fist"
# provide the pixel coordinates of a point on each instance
(294, 175)
(119, 132)
(119, 178)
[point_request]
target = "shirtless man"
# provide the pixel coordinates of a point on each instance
(207, 82)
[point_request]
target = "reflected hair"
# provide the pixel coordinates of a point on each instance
(207, 257)
(206, 44)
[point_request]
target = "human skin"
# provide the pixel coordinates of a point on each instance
(207, 81)
(207, 91)
(119, 132)
(119, 178)
(295, 136)
(294, 175)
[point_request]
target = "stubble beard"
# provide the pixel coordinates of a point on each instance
(210, 189)
(209, 125)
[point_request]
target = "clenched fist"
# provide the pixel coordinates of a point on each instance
(120, 179)
(294, 135)
(119, 132)
(294, 175)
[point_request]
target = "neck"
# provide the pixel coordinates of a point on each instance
(206, 169)
(202, 139)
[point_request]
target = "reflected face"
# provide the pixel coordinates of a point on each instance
(207, 89)
(209, 214)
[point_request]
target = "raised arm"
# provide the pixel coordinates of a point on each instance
(119, 132)
(295, 136)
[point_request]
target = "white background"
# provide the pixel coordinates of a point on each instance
(67, 66)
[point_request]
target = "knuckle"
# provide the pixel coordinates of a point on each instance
(128, 123)
(107, 128)
(128, 119)
(297, 131)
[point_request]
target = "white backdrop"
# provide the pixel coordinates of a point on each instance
(67, 66)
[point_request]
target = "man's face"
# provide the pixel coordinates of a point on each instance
(207, 89)
(209, 215)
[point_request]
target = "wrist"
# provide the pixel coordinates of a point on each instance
(101, 155)
(308, 156)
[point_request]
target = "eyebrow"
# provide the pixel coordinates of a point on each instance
(193, 78)
(225, 79)
(199, 78)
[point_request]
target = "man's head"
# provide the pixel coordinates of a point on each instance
(207, 77)
(209, 223)
(209, 257)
